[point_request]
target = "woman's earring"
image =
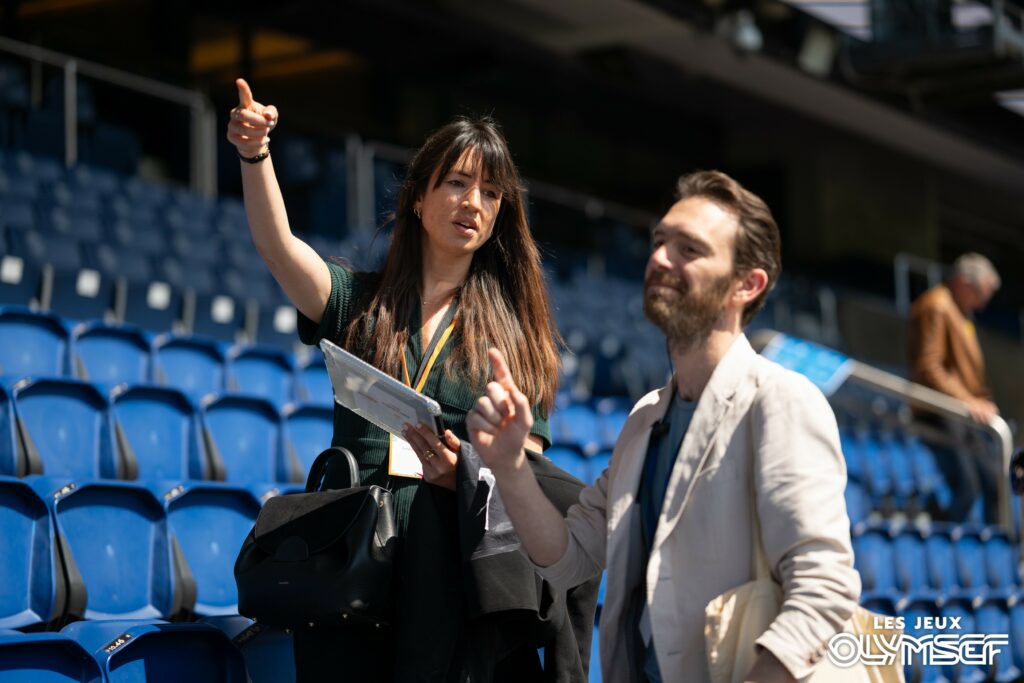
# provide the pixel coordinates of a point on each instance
(417, 212)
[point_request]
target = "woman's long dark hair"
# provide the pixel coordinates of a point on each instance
(503, 302)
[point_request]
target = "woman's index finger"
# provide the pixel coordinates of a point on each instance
(244, 93)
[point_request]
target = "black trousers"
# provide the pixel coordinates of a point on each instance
(971, 471)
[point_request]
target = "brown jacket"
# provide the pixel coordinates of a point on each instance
(944, 351)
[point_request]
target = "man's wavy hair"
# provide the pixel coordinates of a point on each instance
(758, 244)
(504, 300)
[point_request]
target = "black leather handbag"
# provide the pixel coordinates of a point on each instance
(320, 558)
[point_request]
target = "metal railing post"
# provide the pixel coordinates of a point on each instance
(70, 113)
(203, 138)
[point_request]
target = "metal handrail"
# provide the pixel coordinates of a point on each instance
(943, 405)
(203, 143)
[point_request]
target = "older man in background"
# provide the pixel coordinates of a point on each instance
(946, 356)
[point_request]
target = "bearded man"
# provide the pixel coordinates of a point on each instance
(733, 452)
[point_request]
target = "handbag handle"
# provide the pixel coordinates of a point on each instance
(330, 464)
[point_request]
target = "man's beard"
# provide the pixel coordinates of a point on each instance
(685, 316)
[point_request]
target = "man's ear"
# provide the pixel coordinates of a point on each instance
(751, 285)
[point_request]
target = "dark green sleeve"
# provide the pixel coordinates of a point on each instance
(337, 312)
(541, 426)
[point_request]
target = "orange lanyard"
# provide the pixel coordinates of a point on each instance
(426, 368)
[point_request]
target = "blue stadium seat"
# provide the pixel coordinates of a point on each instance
(911, 562)
(152, 305)
(189, 274)
(942, 565)
(80, 222)
(45, 658)
(992, 617)
(970, 560)
(13, 460)
(82, 293)
(1000, 559)
(64, 427)
(878, 475)
(596, 465)
(145, 193)
(111, 354)
(873, 557)
(608, 375)
(208, 523)
(17, 214)
(609, 426)
(144, 237)
(901, 469)
(116, 534)
(308, 430)
(930, 482)
(94, 180)
(312, 383)
(569, 458)
(219, 316)
(20, 279)
(267, 651)
(916, 670)
(193, 365)
(961, 608)
(123, 263)
(158, 652)
(1017, 633)
(243, 439)
(880, 604)
(32, 344)
(858, 505)
(158, 428)
(260, 371)
(277, 325)
(576, 424)
(34, 590)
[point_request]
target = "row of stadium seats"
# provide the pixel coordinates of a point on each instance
(219, 650)
(42, 345)
(991, 615)
(65, 427)
(80, 549)
(937, 559)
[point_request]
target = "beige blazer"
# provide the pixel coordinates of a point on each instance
(751, 407)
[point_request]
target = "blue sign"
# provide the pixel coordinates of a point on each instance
(827, 368)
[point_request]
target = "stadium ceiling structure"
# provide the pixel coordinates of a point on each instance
(825, 74)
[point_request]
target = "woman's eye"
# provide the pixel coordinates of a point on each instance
(455, 182)
(492, 194)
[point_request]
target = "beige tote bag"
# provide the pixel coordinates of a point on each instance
(737, 618)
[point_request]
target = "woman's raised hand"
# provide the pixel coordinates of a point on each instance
(251, 122)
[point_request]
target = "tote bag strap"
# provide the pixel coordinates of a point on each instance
(760, 569)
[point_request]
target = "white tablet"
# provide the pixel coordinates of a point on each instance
(375, 396)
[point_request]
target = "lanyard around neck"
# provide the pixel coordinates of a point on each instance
(444, 331)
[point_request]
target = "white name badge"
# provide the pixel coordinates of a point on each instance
(402, 460)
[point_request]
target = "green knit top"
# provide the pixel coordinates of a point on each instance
(368, 442)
